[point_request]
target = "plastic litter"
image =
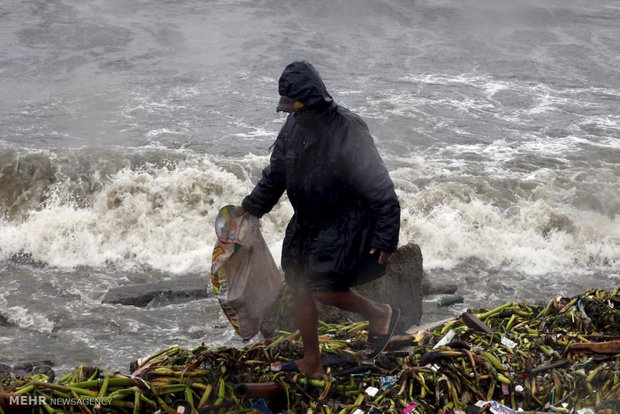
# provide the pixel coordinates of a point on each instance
(495, 407)
(448, 300)
(372, 391)
(388, 381)
(411, 407)
(245, 278)
(510, 344)
(446, 339)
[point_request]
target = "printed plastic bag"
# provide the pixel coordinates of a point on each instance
(245, 277)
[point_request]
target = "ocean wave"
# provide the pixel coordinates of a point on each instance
(154, 208)
(24, 318)
(157, 214)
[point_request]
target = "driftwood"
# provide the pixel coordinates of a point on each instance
(612, 347)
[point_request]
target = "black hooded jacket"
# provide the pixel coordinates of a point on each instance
(340, 190)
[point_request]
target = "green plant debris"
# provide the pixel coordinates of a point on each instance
(557, 357)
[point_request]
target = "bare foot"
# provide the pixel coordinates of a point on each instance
(313, 369)
(381, 324)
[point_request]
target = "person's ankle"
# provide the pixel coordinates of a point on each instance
(384, 312)
(382, 320)
(312, 359)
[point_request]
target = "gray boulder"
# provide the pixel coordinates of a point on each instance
(401, 286)
(177, 290)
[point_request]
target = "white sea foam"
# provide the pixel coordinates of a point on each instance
(160, 216)
(480, 97)
(24, 318)
(488, 83)
(154, 133)
(459, 231)
(535, 236)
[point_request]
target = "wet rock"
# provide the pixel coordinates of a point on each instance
(401, 287)
(26, 259)
(4, 321)
(443, 289)
(158, 293)
(25, 369)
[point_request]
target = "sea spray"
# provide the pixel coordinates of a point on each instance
(153, 208)
(24, 318)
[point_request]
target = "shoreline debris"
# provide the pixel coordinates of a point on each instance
(517, 356)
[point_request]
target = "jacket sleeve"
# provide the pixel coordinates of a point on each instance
(370, 179)
(271, 186)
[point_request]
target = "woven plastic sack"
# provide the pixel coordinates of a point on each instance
(245, 278)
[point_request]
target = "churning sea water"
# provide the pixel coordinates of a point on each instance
(125, 125)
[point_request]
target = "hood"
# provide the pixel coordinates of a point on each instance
(301, 82)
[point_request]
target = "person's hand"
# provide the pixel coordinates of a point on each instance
(240, 211)
(383, 255)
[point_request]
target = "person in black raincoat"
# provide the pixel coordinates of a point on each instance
(346, 214)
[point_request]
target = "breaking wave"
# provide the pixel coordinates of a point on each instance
(25, 319)
(153, 208)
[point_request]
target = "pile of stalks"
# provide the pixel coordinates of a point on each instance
(562, 356)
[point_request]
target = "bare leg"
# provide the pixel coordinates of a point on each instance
(378, 314)
(307, 317)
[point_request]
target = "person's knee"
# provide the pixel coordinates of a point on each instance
(327, 297)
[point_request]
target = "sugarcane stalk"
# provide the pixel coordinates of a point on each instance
(491, 390)
(495, 311)
(510, 322)
(136, 401)
(146, 400)
(189, 397)
(312, 382)
(94, 374)
(25, 389)
(447, 326)
(104, 385)
(169, 389)
(82, 407)
(112, 382)
(165, 406)
(494, 360)
(221, 392)
(503, 379)
(162, 354)
(469, 372)
(67, 388)
(205, 396)
(359, 400)
(46, 407)
(569, 305)
(546, 350)
(122, 404)
(65, 378)
(545, 309)
(119, 394)
(177, 374)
